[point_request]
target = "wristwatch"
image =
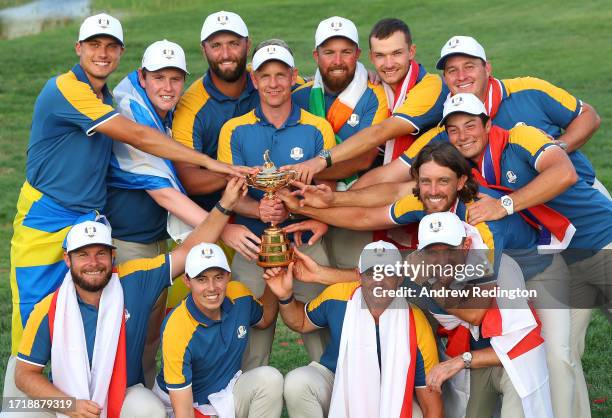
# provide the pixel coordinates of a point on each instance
(326, 155)
(508, 204)
(467, 360)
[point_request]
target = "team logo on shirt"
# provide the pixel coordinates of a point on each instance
(511, 176)
(336, 25)
(241, 332)
(297, 153)
(90, 231)
(126, 314)
(223, 19)
(353, 120)
(168, 53)
(103, 22)
(435, 226)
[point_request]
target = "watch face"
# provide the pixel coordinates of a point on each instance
(506, 201)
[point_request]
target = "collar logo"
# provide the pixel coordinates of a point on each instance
(168, 53)
(103, 22)
(435, 226)
(127, 315)
(223, 19)
(454, 43)
(208, 253)
(271, 50)
(241, 332)
(511, 177)
(336, 26)
(297, 153)
(90, 231)
(353, 120)
(456, 100)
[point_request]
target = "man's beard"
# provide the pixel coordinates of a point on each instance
(85, 285)
(336, 84)
(229, 76)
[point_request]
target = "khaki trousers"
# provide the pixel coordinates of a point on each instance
(129, 251)
(485, 387)
(259, 346)
(344, 246)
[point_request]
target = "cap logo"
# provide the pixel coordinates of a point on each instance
(454, 42)
(435, 226)
(379, 251)
(90, 231)
(271, 50)
(336, 25)
(103, 22)
(168, 53)
(456, 100)
(207, 253)
(223, 19)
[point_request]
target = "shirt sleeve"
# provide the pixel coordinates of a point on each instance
(316, 311)
(177, 366)
(424, 103)
(529, 143)
(436, 134)
(35, 346)
(151, 275)
(377, 109)
(407, 210)
(187, 123)
(425, 340)
(229, 150)
(82, 107)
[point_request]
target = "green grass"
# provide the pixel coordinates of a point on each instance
(567, 44)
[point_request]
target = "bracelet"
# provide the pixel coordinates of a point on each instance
(286, 301)
(224, 211)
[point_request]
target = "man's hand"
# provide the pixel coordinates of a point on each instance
(292, 203)
(241, 239)
(374, 78)
(272, 210)
(441, 372)
(85, 409)
(305, 269)
(485, 209)
(235, 189)
(307, 170)
(224, 168)
(317, 196)
(317, 228)
(280, 281)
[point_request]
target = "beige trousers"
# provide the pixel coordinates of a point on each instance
(129, 251)
(485, 387)
(259, 346)
(344, 246)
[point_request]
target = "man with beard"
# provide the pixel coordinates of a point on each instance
(380, 352)
(342, 94)
(93, 327)
(414, 98)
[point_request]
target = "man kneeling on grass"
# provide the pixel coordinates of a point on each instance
(380, 350)
(203, 340)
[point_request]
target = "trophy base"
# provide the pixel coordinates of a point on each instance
(275, 249)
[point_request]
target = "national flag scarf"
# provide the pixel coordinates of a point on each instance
(395, 147)
(556, 231)
(362, 388)
(495, 94)
(342, 108)
(105, 382)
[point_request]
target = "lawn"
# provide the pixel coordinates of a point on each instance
(567, 44)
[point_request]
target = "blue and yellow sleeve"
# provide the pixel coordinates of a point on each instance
(378, 109)
(317, 310)
(176, 337)
(151, 275)
(435, 134)
(81, 106)
(407, 210)
(529, 143)
(327, 137)
(426, 342)
(236, 290)
(424, 103)
(187, 124)
(560, 106)
(231, 142)
(493, 238)
(35, 347)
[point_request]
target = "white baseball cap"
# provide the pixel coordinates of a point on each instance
(164, 54)
(223, 21)
(88, 233)
(203, 257)
(378, 253)
(272, 52)
(336, 26)
(464, 45)
(462, 103)
(441, 228)
(101, 24)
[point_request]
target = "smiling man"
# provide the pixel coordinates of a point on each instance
(204, 338)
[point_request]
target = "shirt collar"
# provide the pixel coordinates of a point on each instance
(196, 313)
(294, 116)
(77, 70)
(216, 94)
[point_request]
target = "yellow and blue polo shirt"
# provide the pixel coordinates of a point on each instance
(67, 160)
(142, 281)
(203, 353)
(327, 311)
(244, 140)
(424, 103)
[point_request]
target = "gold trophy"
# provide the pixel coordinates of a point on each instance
(275, 249)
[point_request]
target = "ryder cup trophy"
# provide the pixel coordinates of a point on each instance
(275, 249)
